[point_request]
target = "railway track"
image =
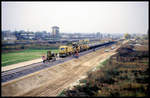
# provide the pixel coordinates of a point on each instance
(25, 70)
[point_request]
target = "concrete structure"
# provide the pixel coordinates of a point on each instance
(55, 31)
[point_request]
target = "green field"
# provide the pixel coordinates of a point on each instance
(25, 55)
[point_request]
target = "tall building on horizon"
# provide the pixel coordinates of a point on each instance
(55, 31)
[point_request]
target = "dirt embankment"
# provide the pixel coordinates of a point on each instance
(123, 74)
(51, 81)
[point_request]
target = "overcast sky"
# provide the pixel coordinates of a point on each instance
(105, 17)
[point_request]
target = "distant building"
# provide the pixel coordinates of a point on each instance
(65, 36)
(27, 35)
(31, 35)
(55, 31)
(98, 35)
(8, 35)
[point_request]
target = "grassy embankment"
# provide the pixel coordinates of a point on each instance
(21, 56)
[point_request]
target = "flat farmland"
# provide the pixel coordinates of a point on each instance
(21, 56)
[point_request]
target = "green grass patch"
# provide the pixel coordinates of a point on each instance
(83, 81)
(62, 93)
(21, 56)
(105, 62)
(102, 64)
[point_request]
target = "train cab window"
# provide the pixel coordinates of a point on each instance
(62, 48)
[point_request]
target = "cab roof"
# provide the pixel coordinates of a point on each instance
(63, 46)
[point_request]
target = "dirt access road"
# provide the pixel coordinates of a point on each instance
(51, 81)
(26, 63)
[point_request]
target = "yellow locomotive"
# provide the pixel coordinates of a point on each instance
(67, 50)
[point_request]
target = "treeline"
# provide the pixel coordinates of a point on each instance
(17, 47)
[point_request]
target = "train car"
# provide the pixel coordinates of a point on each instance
(79, 47)
(65, 51)
(84, 47)
(76, 46)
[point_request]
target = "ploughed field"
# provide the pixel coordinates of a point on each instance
(24, 55)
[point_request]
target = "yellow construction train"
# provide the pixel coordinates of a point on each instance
(67, 50)
(80, 46)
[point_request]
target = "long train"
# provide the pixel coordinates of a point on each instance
(69, 50)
